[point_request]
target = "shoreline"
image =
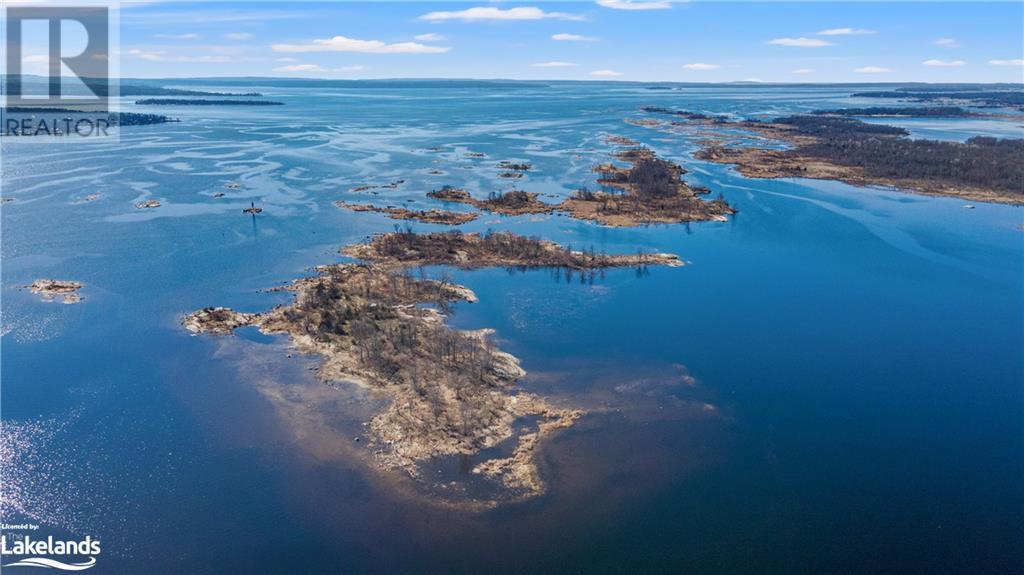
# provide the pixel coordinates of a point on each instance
(650, 191)
(429, 216)
(827, 146)
(450, 392)
(51, 289)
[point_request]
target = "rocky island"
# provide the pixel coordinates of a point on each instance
(652, 192)
(450, 392)
(51, 289)
(432, 216)
(511, 203)
(499, 249)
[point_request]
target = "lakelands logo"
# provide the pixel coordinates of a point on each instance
(30, 552)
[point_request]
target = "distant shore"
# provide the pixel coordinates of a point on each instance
(830, 145)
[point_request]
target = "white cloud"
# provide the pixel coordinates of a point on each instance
(485, 13)
(430, 37)
(354, 68)
(563, 37)
(202, 59)
(800, 42)
(146, 54)
(606, 73)
(555, 65)
(943, 63)
(872, 70)
(238, 36)
(700, 66)
(188, 36)
(157, 56)
(844, 32)
(635, 5)
(947, 43)
(343, 44)
(1006, 62)
(802, 71)
(300, 68)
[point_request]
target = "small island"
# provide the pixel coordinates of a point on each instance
(451, 392)
(685, 114)
(620, 140)
(86, 199)
(51, 289)
(511, 203)
(432, 216)
(499, 249)
(652, 192)
(515, 166)
(388, 186)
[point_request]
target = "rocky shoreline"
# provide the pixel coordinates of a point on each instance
(51, 289)
(650, 191)
(451, 392)
(431, 216)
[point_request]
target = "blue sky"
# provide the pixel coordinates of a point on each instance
(653, 40)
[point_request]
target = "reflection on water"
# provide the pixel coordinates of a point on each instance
(643, 431)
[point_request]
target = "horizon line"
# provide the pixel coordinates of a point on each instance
(532, 80)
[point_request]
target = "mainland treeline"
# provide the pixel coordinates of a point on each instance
(883, 151)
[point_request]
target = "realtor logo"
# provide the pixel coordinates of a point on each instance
(91, 66)
(57, 73)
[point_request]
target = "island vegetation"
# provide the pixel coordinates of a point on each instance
(52, 115)
(684, 114)
(139, 90)
(906, 111)
(431, 216)
(650, 191)
(836, 147)
(375, 323)
(515, 166)
(511, 203)
(979, 98)
(499, 249)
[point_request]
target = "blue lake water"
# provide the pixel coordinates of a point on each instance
(833, 383)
